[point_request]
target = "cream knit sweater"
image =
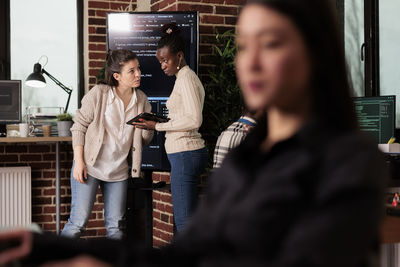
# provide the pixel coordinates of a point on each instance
(185, 106)
(88, 129)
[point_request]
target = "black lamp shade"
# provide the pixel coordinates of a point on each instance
(36, 78)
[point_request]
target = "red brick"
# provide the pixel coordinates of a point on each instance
(222, 29)
(40, 165)
(101, 30)
(169, 209)
(41, 183)
(158, 243)
(97, 47)
(155, 7)
(212, 19)
(36, 192)
(93, 72)
(92, 224)
(205, 49)
(166, 198)
(203, 29)
(101, 13)
(156, 215)
(235, 2)
(214, 1)
(166, 3)
(65, 199)
(226, 10)
(164, 217)
(91, 12)
(42, 218)
(49, 192)
(16, 149)
(96, 64)
(8, 158)
(41, 200)
(50, 227)
(97, 55)
(49, 209)
(30, 157)
(49, 157)
(96, 5)
(118, 6)
(97, 39)
(96, 21)
(49, 174)
(230, 20)
(39, 148)
(98, 207)
(171, 8)
(200, 8)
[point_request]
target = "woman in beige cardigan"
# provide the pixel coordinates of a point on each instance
(102, 141)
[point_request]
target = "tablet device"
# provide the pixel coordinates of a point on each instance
(148, 117)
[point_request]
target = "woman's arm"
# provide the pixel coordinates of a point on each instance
(147, 135)
(192, 93)
(84, 116)
(79, 172)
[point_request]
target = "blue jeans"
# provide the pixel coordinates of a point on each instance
(186, 168)
(83, 197)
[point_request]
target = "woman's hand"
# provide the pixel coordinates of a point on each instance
(23, 247)
(79, 261)
(143, 124)
(79, 172)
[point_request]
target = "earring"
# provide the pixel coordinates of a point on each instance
(179, 65)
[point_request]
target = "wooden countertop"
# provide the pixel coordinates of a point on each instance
(35, 139)
(390, 229)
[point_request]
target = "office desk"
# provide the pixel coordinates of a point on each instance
(51, 139)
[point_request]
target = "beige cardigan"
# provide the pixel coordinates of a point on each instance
(88, 128)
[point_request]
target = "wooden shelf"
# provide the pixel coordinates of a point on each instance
(35, 139)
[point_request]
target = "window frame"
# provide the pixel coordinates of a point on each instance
(5, 46)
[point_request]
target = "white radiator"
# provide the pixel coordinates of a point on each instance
(15, 197)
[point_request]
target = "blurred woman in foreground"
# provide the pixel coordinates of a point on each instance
(305, 188)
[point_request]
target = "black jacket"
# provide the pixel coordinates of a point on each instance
(315, 199)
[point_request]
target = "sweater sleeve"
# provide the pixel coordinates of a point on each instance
(190, 89)
(83, 117)
(146, 134)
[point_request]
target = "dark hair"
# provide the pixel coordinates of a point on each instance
(171, 39)
(115, 60)
(316, 20)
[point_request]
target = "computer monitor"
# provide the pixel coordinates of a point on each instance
(377, 116)
(140, 32)
(10, 104)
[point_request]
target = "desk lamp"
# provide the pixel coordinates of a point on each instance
(36, 79)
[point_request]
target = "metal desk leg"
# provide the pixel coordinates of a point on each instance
(57, 187)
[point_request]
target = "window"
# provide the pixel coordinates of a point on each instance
(52, 28)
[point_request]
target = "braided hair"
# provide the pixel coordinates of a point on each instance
(171, 38)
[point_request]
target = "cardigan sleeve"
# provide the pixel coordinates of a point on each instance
(84, 116)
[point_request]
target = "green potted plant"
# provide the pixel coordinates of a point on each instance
(64, 124)
(223, 102)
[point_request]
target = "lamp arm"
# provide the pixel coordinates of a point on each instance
(66, 89)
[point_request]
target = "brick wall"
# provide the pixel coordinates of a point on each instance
(215, 15)
(163, 218)
(97, 10)
(41, 157)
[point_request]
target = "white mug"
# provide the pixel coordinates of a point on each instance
(23, 129)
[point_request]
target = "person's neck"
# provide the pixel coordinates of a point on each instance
(283, 124)
(183, 64)
(124, 92)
